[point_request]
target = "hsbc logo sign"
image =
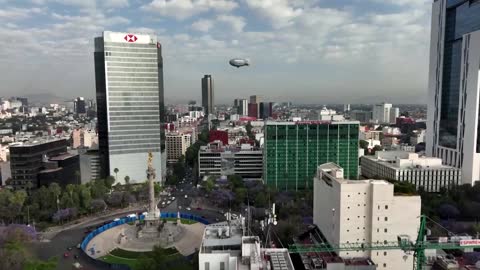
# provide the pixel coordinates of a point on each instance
(130, 38)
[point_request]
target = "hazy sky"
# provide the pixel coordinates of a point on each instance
(311, 51)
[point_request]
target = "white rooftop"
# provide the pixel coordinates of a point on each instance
(407, 160)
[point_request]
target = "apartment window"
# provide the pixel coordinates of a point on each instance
(386, 218)
(207, 265)
(386, 207)
(222, 265)
(384, 253)
(385, 230)
(378, 230)
(385, 265)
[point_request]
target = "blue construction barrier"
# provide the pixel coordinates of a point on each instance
(124, 220)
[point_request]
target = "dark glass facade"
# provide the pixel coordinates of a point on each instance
(462, 17)
(26, 161)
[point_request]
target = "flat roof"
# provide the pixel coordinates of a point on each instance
(312, 122)
(34, 143)
(388, 162)
(62, 156)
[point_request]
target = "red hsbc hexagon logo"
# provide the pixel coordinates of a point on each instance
(130, 38)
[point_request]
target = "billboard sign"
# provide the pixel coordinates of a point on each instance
(470, 242)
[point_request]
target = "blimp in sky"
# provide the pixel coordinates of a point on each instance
(239, 62)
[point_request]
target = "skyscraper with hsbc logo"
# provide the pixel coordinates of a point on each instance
(130, 101)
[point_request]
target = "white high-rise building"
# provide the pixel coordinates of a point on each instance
(243, 107)
(381, 113)
(453, 119)
(394, 113)
(129, 84)
(364, 211)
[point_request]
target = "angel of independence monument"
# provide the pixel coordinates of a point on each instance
(152, 218)
(153, 229)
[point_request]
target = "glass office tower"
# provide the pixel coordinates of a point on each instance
(452, 127)
(293, 151)
(129, 84)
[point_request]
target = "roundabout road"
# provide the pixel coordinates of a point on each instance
(70, 238)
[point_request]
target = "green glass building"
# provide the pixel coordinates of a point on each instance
(293, 151)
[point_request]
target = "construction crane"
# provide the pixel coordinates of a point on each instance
(418, 247)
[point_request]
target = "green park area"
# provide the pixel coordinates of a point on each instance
(159, 257)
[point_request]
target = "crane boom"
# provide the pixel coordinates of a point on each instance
(404, 244)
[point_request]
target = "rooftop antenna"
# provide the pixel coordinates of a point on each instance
(271, 220)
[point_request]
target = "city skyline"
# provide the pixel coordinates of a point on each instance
(332, 52)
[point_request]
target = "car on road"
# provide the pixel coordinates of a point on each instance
(66, 255)
(186, 196)
(179, 207)
(69, 248)
(188, 208)
(173, 198)
(168, 202)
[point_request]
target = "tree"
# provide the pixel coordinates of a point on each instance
(116, 170)
(448, 211)
(179, 168)
(375, 149)
(235, 181)
(85, 197)
(209, 184)
(260, 200)
(115, 199)
(172, 180)
(109, 181)
(240, 195)
(98, 205)
(55, 191)
(363, 144)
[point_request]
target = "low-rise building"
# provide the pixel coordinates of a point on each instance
(217, 159)
(225, 246)
(425, 172)
(364, 211)
(176, 144)
(417, 137)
